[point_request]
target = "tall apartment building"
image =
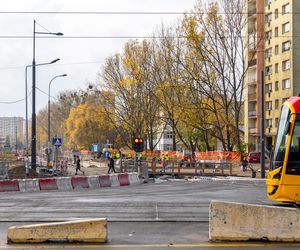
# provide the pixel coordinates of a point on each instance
(280, 50)
(255, 64)
(12, 127)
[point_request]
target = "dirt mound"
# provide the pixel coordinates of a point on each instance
(18, 172)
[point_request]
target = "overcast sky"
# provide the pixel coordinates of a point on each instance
(81, 59)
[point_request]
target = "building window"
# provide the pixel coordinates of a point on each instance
(276, 104)
(285, 99)
(269, 88)
(276, 68)
(269, 70)
(276, 49)
(269, 123)
(285, 8)
(268, 53)
(268, 2)
(269, 105)
(276, 122)
(286, 84)
(285, 27)
(276, 13)
(286, 65)
(276, 86)
(168, 147)
(268, 18)
(168, 135)
(276, 31)
(269, 35)
(286, 46)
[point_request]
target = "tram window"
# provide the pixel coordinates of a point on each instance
(282, 137)
(293, 165)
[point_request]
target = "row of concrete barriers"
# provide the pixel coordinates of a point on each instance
(69, 183)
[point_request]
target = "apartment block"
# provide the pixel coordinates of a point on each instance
(281, 64)
(255, 65)
(12, 128)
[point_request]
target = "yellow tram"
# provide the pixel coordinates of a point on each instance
(283, 181)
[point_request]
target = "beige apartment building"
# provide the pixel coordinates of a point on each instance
(273, 47)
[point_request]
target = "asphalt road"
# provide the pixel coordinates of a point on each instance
(149, 216)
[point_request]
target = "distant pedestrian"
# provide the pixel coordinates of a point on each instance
(111, 165)
(78, 166)
(65, 167)
(75, 159)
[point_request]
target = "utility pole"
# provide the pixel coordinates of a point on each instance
(262, 126)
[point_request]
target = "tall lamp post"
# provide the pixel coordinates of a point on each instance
(33, 128)
(49, 142)
(26, 112)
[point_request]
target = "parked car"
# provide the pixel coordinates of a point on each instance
(254, 157)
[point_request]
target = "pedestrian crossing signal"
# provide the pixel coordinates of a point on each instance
(138, 144)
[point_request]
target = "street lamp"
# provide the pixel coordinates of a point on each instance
(33, 128)
(48, 151)
(26, 113)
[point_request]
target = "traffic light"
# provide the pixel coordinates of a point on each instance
(138, 144)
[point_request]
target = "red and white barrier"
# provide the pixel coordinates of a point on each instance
(134, 178)
(123, 179)
(114, 180)
(29, 185)
(104, 181)
(69, 183)
(64, 183)
(9, 186)
(94, 181)
(79, 182)
(48, 184)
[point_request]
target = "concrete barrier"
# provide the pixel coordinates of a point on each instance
(93, 231)
(79, 182)
(104, 181)
(64, 183)
(29, 185)
(9, 186)
(134, 178)
(114, 180)
(48, 184)
(123, 179)
(94, 181)
(231, 221)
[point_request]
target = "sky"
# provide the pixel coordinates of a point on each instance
(80, 59)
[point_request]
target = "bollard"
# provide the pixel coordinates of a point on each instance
(173, 175)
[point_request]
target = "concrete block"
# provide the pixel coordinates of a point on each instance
(64, 183)
(134, 178)
(94, 181)
(93, 231)
(229, 221)
(114, 180)
(29, 185)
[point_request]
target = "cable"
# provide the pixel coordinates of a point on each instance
(115, 37)
(54, 65)
(17, 101)
(139, 12)
(42, 91)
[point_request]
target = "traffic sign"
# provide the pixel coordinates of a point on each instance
(57, 142)
(106, 154)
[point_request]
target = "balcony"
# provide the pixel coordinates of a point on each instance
(252, 63)
(252, 130)
(252, 13)
(252, 114)
(252, 97)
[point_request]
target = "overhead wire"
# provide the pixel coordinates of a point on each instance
(142, 12)
(16, 101)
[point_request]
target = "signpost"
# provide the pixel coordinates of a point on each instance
(57, 142)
